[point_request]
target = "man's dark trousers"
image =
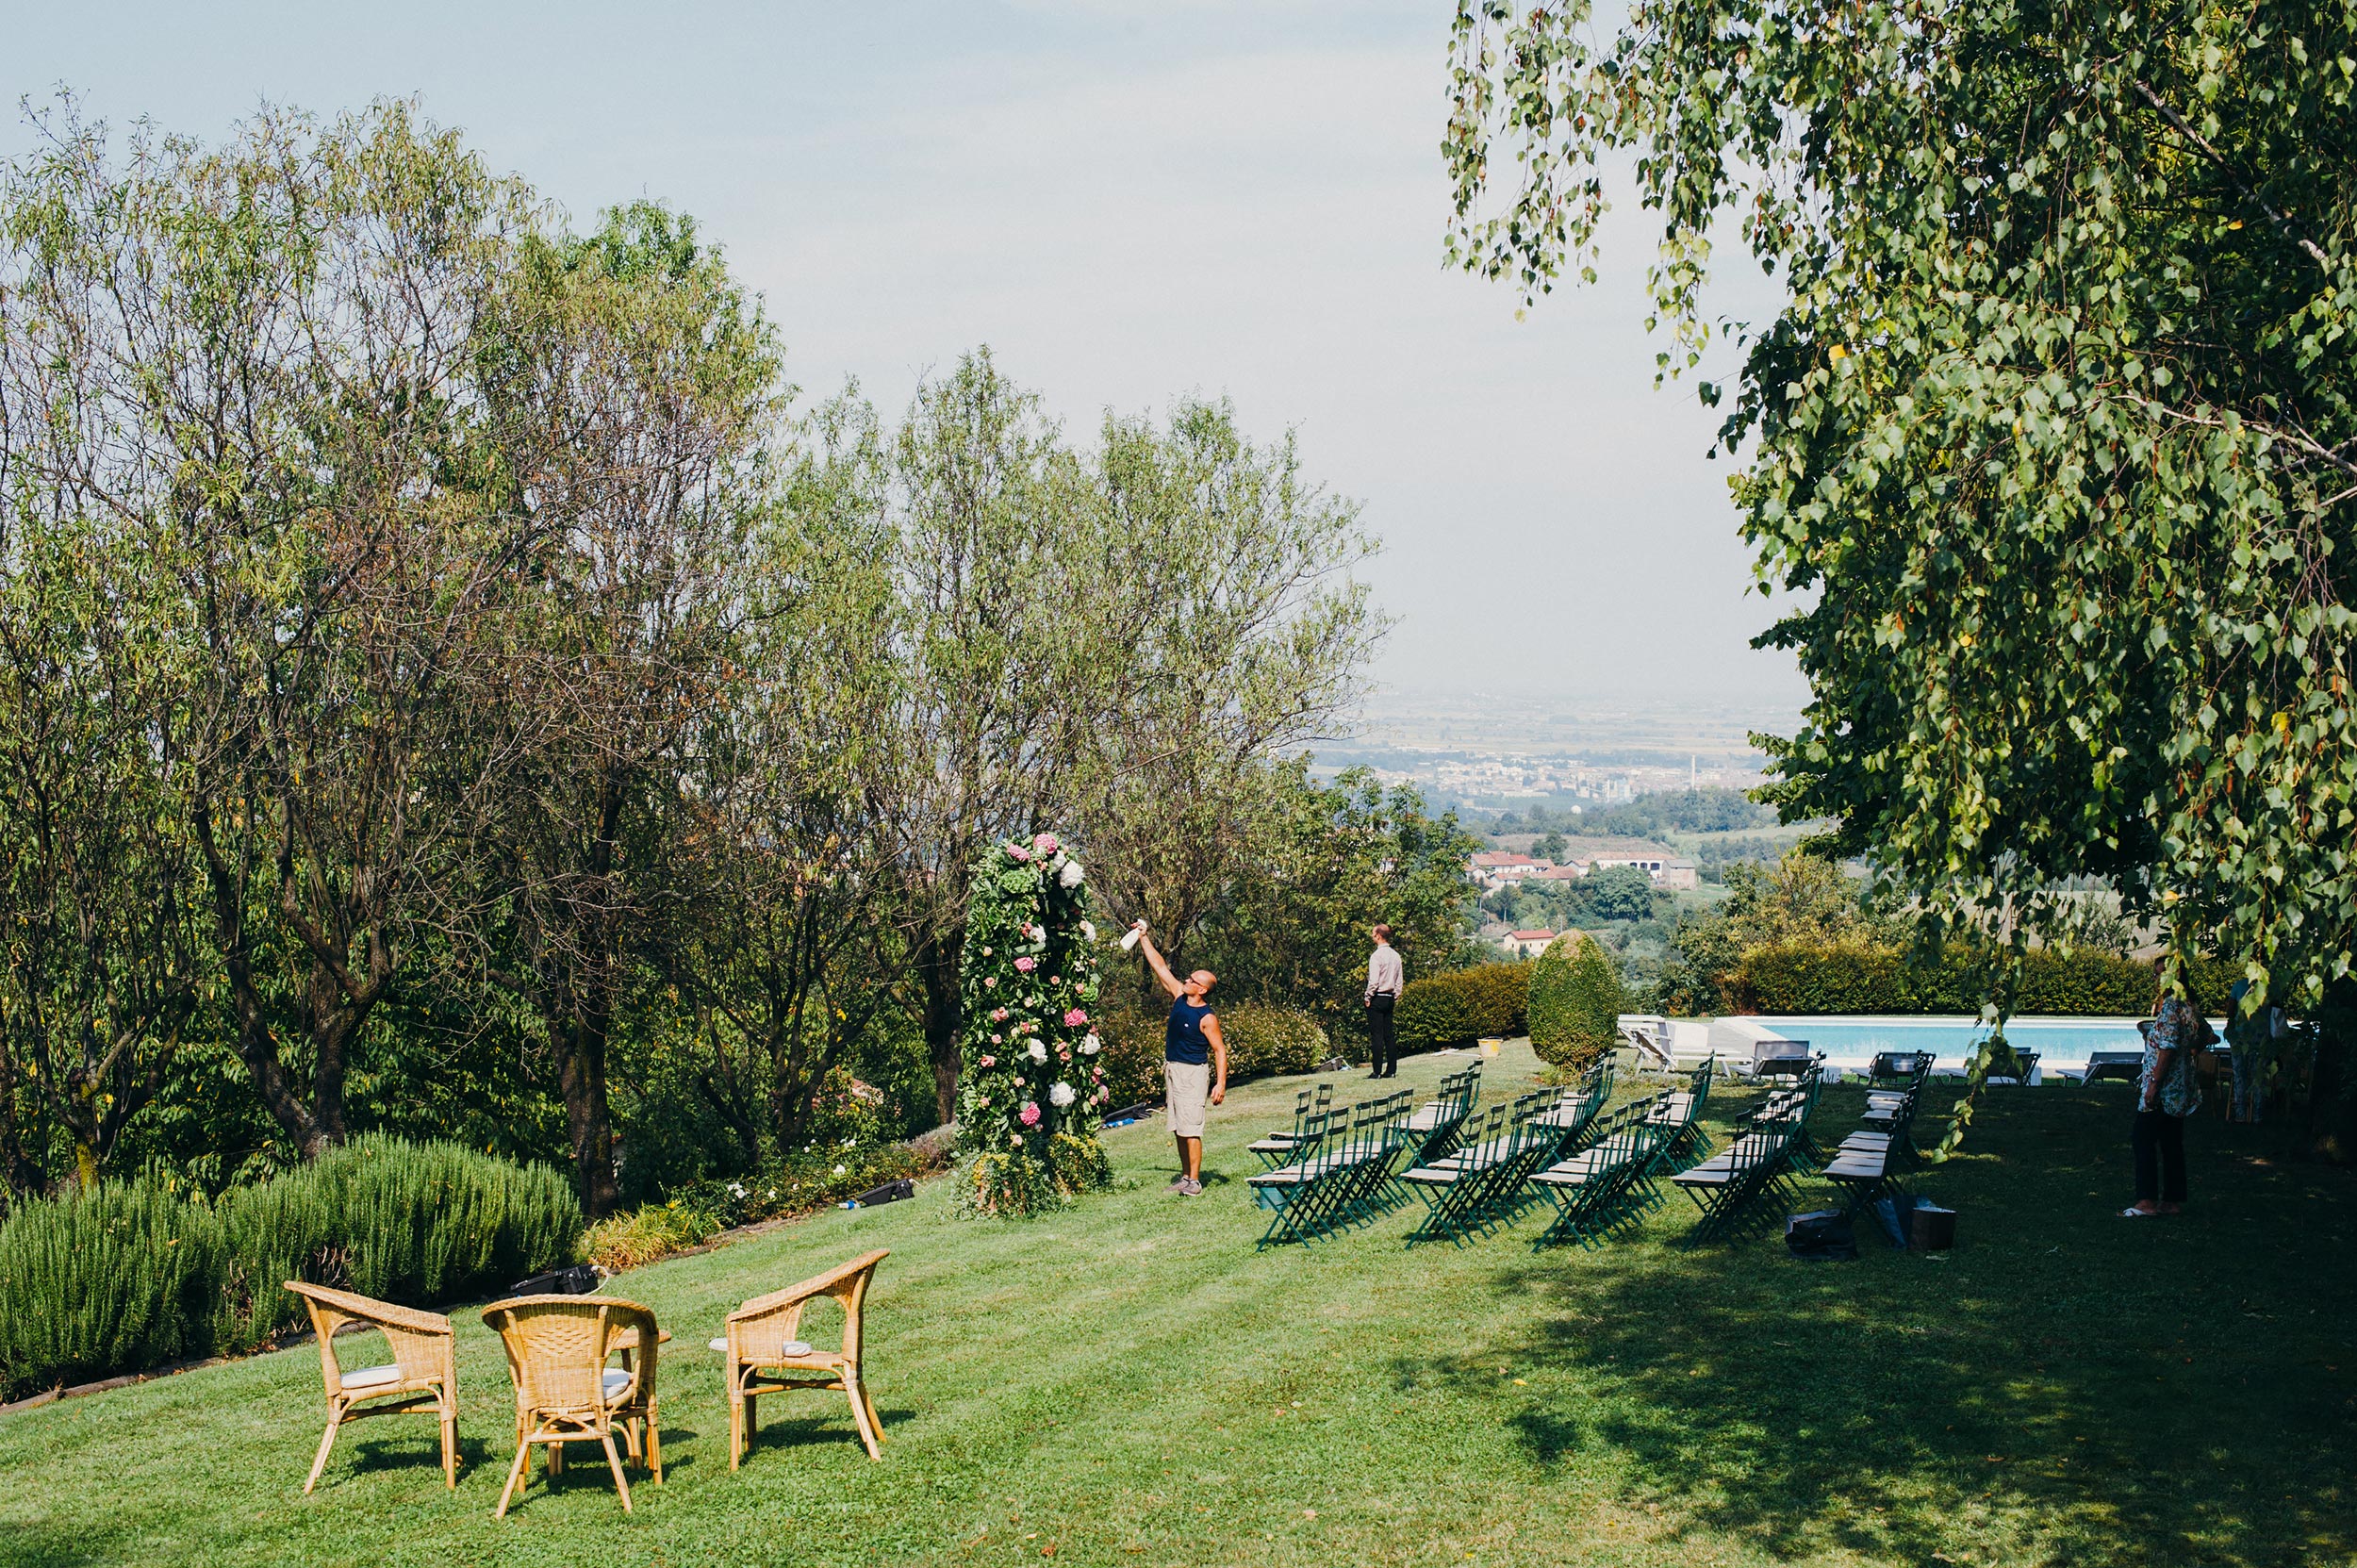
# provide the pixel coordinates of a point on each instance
(1384, 1061)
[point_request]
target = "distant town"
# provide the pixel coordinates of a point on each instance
(1484, 755)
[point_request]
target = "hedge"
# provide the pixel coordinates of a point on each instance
(1807, 981)
(1574, 1001)
(1262, 1042)
(1489, 999)
(138, 1273)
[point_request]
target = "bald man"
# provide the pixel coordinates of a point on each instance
(1195, 1062)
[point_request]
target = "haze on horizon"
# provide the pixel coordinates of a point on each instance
(1225, 197)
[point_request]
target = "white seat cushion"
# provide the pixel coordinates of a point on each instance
(370, 1377)
(616, 1383)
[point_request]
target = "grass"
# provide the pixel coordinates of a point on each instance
(1130, 1383)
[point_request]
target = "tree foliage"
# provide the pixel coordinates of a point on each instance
(2054, 433)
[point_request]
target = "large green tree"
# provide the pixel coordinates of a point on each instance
(2054, 437)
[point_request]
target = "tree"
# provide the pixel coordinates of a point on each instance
(1224, 616)
(1549, 847)
(2055, 432)
(631, 387)
(251, 367)
(1617, 893)
(98, 886)
(1804, 900)
(1324, 863)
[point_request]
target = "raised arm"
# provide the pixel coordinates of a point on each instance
(1161, 968)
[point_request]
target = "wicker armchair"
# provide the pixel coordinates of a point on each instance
(765, 1357)
(423, 1374)
(557, 1349)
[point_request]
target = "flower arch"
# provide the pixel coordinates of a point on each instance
(1032, 1092)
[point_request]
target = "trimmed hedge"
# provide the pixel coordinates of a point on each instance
(1270, 1041)
(135, 1274)
(1574, 1001)
(1262, 1042)
(1798, 979)
(1464, 1005)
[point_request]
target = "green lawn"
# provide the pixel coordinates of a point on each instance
(1130, 1383)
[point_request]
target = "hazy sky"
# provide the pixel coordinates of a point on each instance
(1126, 202)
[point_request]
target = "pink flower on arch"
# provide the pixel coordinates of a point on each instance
(1031, 1114)
(1018, 852)
(1024, 966)
(998, 1016)
(992, 1062)
(1044, 842)
(1075, 1019)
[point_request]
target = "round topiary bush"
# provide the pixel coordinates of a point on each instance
(1574, 1001)
(1033, 1090)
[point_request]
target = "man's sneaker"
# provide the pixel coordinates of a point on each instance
(1179, 1183)
(1189, 1188)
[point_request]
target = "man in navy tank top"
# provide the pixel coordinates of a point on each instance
(1194, 1063)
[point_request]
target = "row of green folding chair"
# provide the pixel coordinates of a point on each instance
(1867, 1164)
(1339, 1176)
(1735, 1190)
(1606, 1187)
(1435, 1127)
(1479, 1186)
(1678, 1118)
(1279, 1147)
(1576, 1110)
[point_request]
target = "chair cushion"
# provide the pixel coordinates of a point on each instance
(792, 1350)
(370, 1377)
(617, 1382)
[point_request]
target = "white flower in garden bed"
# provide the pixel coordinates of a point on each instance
(1060, 1096)
(1037, 1050)
(1071, 875)
(1091, 1046)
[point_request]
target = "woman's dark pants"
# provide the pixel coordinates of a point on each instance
(1384, 1060)
(2160, 1144)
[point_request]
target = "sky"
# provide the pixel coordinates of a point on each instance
(1127, 202)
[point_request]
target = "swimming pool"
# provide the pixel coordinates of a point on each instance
(1851, 1042)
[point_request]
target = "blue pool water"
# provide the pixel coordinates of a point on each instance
(1847, 1041)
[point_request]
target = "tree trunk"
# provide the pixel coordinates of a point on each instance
(2332, 1091)
(579, 1041)
(936, 962)
(257, 1047)
(332, 1027)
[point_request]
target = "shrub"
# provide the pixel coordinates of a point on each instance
(92, 1284)
(1132, 1057)
(1270, 1041)
(427, 1222)
(132, 1275)
(1262, 1042)
(647, 1232)
(1856, 979)
(807, 1180)
(1465, 1005)
(1574, 1001)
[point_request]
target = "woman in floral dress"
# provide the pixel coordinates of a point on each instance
(2167, 1094)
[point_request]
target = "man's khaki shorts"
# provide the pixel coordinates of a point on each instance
(1188, 1087)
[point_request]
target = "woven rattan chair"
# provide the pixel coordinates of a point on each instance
(557, 1349)
(423, 1374)
(765, 1357)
